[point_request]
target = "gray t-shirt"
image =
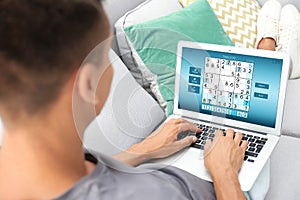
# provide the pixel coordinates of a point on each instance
(114, 180)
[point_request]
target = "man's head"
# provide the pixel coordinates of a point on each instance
(42, 44)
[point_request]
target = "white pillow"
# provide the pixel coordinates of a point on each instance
(150, 9)
(129, 115)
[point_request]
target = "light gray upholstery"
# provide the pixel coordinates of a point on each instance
(283, 2)
(291, 117)
(115, 9)
(285, 165)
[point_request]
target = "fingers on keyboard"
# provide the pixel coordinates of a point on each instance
(253, 145)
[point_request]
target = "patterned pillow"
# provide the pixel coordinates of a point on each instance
(238, 19)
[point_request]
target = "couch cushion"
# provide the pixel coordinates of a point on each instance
(285, 165)
(129, 115)
(291, 116)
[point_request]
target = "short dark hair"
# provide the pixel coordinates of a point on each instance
(41, 44)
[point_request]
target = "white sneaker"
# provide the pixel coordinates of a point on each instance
(289, 37)
(268, 21)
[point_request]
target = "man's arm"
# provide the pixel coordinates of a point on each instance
(227, 186)
(223, 159)
(161, 143)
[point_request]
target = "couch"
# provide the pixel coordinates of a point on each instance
(285, 160)
(130, 114)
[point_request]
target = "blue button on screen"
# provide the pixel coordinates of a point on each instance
(262, 85)
(195, 71)
(194, 80)
(260, 95)
(194, 89)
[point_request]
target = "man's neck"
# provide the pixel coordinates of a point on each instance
(45, 157)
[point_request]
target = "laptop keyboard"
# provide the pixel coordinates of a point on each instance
(255, 143)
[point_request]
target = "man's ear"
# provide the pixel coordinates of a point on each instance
(87, 82)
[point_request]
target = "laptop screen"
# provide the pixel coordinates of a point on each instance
(235, 86)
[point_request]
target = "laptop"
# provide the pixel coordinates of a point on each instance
(221, 87)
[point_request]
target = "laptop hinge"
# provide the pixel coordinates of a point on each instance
(223, 125)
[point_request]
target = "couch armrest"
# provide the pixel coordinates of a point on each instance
(130, 114)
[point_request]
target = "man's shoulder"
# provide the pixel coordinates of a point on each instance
(114, 180)
(106, 182)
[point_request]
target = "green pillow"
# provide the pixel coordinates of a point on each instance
(156, 42)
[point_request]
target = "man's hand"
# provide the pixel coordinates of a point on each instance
(161, 143)
(225, 152)
(223, 159)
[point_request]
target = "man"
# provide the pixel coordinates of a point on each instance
(47, 100)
